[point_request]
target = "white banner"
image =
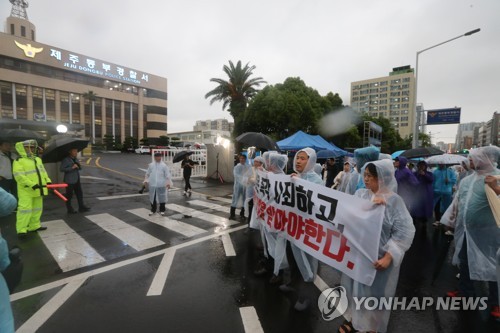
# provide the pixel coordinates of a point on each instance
(339, 229)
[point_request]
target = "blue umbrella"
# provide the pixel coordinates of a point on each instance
(397, 153)
(325, 153)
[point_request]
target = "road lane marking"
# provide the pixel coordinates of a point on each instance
(115, 171)
(210, 205)
(250, 320)
(88, 161)
(201, 215)
(85, 275)
(46, 311)
(68, 248)
(129, 235)
(92, 177)
(226, 200)
(228, 245)
(182, 228)
(145, 170)
(112, 197)
(161, 275)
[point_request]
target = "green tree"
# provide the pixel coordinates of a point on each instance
(91, 96)
(109, 141)
(130, 142)
(144, 141)
(236, 92)
(285, 108)
(163, 140)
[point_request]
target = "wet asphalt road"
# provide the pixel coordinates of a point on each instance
(204, 290)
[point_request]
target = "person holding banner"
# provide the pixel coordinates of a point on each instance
(361, 156)
(395, 239)
(303, 267)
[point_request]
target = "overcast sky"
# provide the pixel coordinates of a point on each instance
(327, 43)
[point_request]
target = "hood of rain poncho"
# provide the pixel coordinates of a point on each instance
(28, 143)
(310, 163)
(318, 168)
(422, 162)
(402, 162)
(385, 174)
(259, 159)
(265, 156)
(485, 159)
(277, 162)
(365, 155)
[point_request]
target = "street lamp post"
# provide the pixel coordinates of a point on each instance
(416, 128)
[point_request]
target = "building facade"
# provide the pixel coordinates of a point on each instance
(489, 133)
(467, 135)
(201, 136)
(217, 125)
(390, 96)
(42, 86)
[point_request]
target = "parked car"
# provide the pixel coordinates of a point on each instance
(143, 150)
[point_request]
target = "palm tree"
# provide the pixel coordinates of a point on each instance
(91, 96)
(237, 92)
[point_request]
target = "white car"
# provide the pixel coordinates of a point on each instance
(143, 150)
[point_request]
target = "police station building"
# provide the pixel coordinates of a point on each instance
(42, 86)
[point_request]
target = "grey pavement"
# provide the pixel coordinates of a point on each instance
(162, 280)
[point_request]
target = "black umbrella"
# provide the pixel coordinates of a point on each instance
(58, 148)
(180, 155)
(20, 134)
(258, 140)
(421, 152)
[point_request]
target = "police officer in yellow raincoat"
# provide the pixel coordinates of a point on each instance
(32, 180)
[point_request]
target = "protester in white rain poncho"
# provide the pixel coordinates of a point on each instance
(477, 237)
(240, 173)
(258, 164)
(395, 239)
(361, 156)
(341, 180)
(158, 179)
(276, 164)
(303, 267)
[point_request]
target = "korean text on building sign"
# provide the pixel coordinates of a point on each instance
(341, 230)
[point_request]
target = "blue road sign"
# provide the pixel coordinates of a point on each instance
(443, 116)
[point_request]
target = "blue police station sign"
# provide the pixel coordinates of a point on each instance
(443, 116)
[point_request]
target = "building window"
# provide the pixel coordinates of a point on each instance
(64, 106)
(383, 89)
(21, 102)
(12, 29)
(23, 31)
(33, 34)
(404, 124)
(383, 83)
(75, 108)
(50, 104)
(6, 100)
(406, 79)
(404, 118)
(395, 81)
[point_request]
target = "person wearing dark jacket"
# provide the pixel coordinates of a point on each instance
(187, 166)
(424, 193)
(406, 182)
(71, 168)
(332, 171)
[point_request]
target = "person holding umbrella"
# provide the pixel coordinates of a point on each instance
(32, 180)
(71, 168)
(187, 166)
(159, 180)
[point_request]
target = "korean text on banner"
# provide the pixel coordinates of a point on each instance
(341, 230)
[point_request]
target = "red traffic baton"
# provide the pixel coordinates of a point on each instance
(57, 185)
(56, 192)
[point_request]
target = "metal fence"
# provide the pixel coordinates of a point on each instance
(199, 156)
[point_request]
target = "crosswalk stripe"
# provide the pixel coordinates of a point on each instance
(202, 215)
(132, 236)
(182, 228)
(210, 205)
(250, 319)
(68, 248)
(161, 275)
(226, 200)
(228, 245)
